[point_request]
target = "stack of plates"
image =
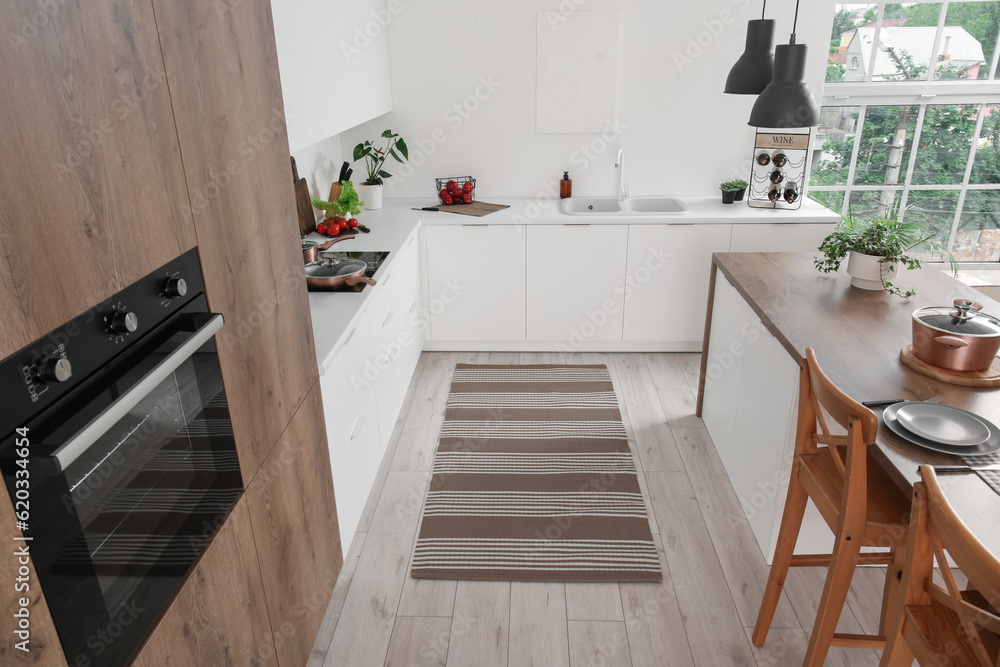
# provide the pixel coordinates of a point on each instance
(942, 428)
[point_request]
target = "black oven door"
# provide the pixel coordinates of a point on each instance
(131, 474)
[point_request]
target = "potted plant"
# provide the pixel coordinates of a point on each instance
(742, 185)
(875, 248)
(371, 188)
(730, 190)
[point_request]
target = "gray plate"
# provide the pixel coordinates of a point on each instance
(992, 444)
(943, 424)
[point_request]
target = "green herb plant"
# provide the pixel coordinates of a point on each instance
(881, 236)
(375, 157)
(347, 202)
(732, 186)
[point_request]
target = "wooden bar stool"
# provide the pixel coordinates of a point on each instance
(862, 506)
(943, 626)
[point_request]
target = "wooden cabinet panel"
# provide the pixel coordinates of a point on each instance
(44, 647)
(219, 617)
(222, 70)
(295, 530)
(576, 275)
(93, 187)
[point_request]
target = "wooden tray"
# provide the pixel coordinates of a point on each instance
(988, 378)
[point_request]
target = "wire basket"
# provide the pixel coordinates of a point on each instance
(464, 186)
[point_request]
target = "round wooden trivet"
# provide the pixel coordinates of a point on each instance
(988, 378)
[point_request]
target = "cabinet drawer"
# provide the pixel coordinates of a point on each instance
(403, 274)
(355, 471)
(346, 388)
(778, 237)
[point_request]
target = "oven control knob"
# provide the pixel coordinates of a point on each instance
(55, 369)
(175, 288)
(123, 322)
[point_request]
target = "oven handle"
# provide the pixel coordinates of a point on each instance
(66, 454)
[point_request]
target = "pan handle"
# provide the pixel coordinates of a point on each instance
(951, 341)
(354, 280)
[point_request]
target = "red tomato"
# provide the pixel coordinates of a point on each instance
(450, 185)
(467, 198)
(321, 228)
(467, 186)
(444, 191)
(446, 199)
(352, 223)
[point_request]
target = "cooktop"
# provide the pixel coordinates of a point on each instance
(373, 258)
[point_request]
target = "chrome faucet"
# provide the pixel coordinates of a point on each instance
(623, 190)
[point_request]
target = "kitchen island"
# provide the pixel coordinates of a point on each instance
(764, 310)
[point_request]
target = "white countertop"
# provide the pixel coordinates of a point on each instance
(335, 313)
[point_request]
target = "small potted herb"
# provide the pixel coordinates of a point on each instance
(875, 248)
(742, 185)
(371, 187)
(730, 190)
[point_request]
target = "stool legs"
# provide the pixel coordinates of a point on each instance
(791, 521)
(838, 583)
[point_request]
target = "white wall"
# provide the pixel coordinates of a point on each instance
(680, 133)
(320, 165)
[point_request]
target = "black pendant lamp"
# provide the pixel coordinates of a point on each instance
(787, 101)
(752, 72)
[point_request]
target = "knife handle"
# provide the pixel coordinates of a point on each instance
(882, 404)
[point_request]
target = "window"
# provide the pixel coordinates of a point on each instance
(910, 119)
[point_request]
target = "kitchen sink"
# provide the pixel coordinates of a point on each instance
(654, 205)
(609, 206)
(588, 205)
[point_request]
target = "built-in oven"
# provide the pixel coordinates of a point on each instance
(119, 458)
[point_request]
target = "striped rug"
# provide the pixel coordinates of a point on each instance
(533, 481)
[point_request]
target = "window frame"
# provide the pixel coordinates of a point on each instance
(922, 93)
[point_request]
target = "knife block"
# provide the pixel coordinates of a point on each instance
(335, 191)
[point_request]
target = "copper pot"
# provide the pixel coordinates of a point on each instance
(310, 249)
(961, 338)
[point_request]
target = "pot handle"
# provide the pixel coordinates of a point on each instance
(354, 280)
(963, 306)
(951, 341)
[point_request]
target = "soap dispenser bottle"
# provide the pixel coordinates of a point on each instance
(565, 186)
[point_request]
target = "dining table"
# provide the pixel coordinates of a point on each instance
(857, 335)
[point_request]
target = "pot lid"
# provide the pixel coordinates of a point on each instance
(334, 268)
(307, 244)
(963, 318)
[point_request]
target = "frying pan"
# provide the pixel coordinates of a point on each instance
(337, 273)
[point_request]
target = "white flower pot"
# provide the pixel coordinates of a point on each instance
(868, 272)
(371, 195)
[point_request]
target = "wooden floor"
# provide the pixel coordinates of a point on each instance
(701, 614)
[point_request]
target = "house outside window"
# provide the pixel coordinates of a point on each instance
(910, 120)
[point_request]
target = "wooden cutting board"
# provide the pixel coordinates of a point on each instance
(303, 202)
(476, 208)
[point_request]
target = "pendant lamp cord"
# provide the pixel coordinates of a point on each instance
(762, 9)
(795, 23)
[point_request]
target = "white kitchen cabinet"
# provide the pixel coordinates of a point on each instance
(667, 282)
(724, 365)
(475, 282)
(576, 282)
(355, 472)
(333, 58)
(779, 236)
(750, 410)
(346, 389)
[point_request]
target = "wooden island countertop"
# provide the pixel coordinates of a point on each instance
(857, 335)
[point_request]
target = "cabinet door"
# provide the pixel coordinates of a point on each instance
(93, 185)
(325, 48)
(576, 282)
(476, 282)
(778, 237)
(220, 63)
(295, 531)
(733, 321)
(347, 385)
(667, 281)
(219, 616)
(355, 472)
